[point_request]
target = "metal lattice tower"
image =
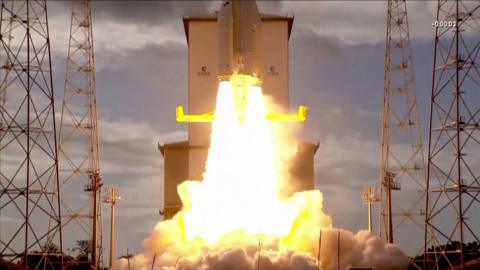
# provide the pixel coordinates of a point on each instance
(453, 201)
(402, 174)
(7, 33)
(80, 180)
(30, 223)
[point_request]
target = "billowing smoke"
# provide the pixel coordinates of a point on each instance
(235, 218)
(339, 249)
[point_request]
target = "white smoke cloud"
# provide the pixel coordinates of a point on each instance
(339, 249)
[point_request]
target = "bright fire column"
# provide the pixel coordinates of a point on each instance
(218, 45)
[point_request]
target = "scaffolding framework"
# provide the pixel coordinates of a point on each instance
(30, 223)
(80, 180)
(402, 169)
(452, 204)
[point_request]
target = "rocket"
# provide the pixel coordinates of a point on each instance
(239, 37)
(239, 44)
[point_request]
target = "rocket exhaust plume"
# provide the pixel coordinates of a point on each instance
(239, 189)
(234, 218)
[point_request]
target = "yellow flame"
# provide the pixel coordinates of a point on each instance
(239, 189)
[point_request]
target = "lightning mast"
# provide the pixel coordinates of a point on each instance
(453, 187)
(112, 196)
(369, 197)
(30, 223)
(402, 160)
(78, 140)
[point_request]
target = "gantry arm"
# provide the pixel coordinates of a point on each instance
(181, 117)
(300, 116)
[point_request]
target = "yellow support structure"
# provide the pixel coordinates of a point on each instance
(181, 117)
(241, 83)
(300, 116)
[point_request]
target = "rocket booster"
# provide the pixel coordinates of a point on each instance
(239, 32)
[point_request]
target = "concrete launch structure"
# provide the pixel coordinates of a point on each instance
(236, 39)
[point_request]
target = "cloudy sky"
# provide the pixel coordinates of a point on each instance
(336, 68)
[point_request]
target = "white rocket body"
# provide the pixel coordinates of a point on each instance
(239, 31)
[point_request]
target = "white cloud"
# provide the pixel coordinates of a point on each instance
(128, 146)
(114, 35)
(356, 21)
